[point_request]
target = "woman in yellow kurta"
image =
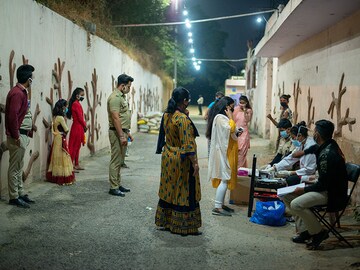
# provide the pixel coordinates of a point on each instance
(60, 169)
(178, 209)
(222, 169)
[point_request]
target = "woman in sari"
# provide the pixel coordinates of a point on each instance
(60, 169)
(242, 116)
(178, 209)
(222, 169)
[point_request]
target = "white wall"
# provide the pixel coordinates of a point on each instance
(260, 97)
(42, 36)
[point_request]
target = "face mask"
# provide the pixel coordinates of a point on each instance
(296, 143)
(283, 104)
(316, 137)
(126, 90)
(81, 98)
(284, 134)
(66, 110)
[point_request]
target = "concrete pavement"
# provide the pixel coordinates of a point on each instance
(83, 227)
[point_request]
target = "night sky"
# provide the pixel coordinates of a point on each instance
(240, 29)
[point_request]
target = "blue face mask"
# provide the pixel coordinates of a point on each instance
(284, 134)
(66, 110)
(296, 143)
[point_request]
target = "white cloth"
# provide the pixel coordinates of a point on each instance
(200, 101)
(219, 166)
(307, 162)
(220, 194)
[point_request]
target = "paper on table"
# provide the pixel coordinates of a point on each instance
(286, 190)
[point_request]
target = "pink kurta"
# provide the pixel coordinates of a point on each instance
(244, 138)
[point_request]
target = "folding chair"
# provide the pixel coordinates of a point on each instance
(353, 171)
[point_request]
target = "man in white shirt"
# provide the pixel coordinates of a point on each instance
(200, 102)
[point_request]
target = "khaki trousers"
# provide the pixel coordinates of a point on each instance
(299, 207)
(123, 152)
(117, 157)
(16, 164)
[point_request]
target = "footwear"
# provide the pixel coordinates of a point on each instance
(78, 168)
(26, 198)
(125, 166)
(317, 239)
(217, 212)
(226, 208)
(116, 192)
(124, 189)
(290, 219)
(19, 203)
(302, 238)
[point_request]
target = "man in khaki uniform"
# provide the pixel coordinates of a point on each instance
(18, 124)
(119, 127)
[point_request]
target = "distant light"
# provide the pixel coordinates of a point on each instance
(197, 68)
(192, 50)
(191, 41)
(189, 34)
(187, 21)
(259, 20)
(185, 12)
(193, 59)
(199, 62)
(195, 64)
(188, 25)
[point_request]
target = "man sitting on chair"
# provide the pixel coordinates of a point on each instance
(330, 188)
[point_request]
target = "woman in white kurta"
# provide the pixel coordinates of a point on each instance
(301, 141)
(222, 167)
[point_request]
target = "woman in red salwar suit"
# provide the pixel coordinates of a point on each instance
(78, 128)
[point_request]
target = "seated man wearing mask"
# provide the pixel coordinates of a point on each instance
(330, 189)
(301, 141)
(285, 146)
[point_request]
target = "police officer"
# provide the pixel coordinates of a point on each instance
(119, 127)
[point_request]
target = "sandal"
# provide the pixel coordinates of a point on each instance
(217, 212)
(226, 208)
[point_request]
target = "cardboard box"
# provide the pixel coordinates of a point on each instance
(240, 194)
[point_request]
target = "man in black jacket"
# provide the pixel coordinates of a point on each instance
(330, 189)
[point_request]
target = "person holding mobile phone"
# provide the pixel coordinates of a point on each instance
(222, 168)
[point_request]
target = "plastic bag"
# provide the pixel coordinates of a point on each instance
(269, 213)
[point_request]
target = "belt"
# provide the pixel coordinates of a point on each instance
(124, 129)
(24, 132)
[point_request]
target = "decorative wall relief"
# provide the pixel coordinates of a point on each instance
(311, 110)
(140, 101)
(336, 102)
(296, 93)
(113, 83)
(132, 99)
(96, 100)
(57, 73)
(12, 68)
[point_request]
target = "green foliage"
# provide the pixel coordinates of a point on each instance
(154, 47)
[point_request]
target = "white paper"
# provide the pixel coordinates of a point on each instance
(286, 190)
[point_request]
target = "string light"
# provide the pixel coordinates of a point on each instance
(187, 21)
